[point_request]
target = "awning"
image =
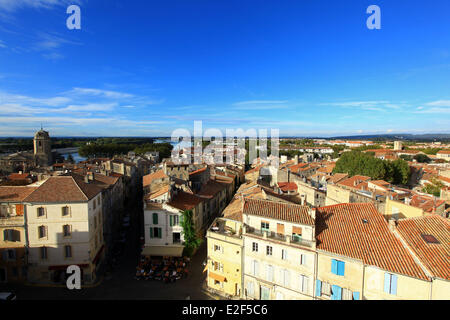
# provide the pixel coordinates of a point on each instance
(163, 251)
(217, 277)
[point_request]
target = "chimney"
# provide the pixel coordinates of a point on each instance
(86, 179)
(392, 224)
(312, 212)
(91, 176)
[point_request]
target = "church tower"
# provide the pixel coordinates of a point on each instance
(42, 148)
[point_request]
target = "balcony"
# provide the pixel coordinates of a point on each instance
(220, 230)
(279, 237)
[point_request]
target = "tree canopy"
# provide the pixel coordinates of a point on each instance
(358, 163)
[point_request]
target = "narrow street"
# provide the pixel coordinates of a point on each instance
(121, 283)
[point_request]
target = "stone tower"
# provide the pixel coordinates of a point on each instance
(42, 148)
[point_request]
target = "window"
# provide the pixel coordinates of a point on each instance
(337, 267)
(67, 230)
(12, 254)
(269, 273)
(250, 289)
(303, 259)
(284, 254)
(95, 222)
(174, 220)
(218, 248)
(155, 218)
(264, 226)
(255, 268)
(95, 205)
(155, 233)
(68, 251)
(285, 277)
(296, 234)
(11, 235)
(43, 252)
(65, 211)
(42, 231)
(390, 283)
(40, 212)
(255, 246)
(269, 250)
(304, 283)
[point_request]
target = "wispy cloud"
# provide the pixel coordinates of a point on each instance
(101, 93)
(434, 107)
(261, 105)
(13, 5)
(2, 44)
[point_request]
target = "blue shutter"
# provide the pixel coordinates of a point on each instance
(387, 282)
(318, 288)
(334, 266)
(355, 295)
(341, 268)
(337, 292)
(393, 284)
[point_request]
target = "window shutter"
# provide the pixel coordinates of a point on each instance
(337, 292)
(355, 295)
(5, 234)
(155, 218)
(16, 235)
(318, 288)
(387, 282)
(334, 267)
(160, 233)
(394, 284)
(151, 232)
(341, 268)
(19, 209)
(5, 255)
(171, 220)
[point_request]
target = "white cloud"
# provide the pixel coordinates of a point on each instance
(102, 93)
(439, 103)
(2, 44)
(6, 98)
(13, 5)
(253, 102)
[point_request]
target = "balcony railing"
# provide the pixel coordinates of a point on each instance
(278, 237)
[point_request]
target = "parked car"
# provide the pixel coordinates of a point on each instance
(7, 296)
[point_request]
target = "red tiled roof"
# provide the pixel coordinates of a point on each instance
(287, 186)
(158, 193)
(341, 229)
(350, 182)
(148, 179)
(197, 171)
(64, 189)
(15, 194)
(19, 176)
(435, 256)
(211, 188)
(279, 211)
(426, 203)
(443, 152)
(185, 201)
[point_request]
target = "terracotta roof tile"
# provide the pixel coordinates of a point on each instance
(341, 229)
(279, 211)
(148, 179)
(435, 256)
(15, 193)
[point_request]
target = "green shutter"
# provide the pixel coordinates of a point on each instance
(159, 233)
(151, 232)
(155, 218)
(171, 220)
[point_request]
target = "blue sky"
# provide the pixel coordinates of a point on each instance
(145, 68)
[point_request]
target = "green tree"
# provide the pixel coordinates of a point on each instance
(422, 158)
(191, 241)
(434, 187)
